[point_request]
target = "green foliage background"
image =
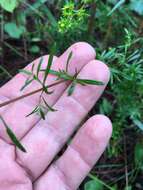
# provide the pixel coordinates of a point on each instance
(115, 29)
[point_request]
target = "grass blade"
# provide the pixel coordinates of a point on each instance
(116, 7)
(5, 71)
(50, 16)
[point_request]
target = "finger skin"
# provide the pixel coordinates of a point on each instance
(84, 151)
(3, 99)
(12, 176)
(16, 112)
(43, 143)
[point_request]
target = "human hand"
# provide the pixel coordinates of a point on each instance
(43, 139)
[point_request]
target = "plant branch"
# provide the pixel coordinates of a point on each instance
(91, 18)
(30, 93)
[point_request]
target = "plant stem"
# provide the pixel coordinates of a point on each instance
(91, 18)
(30, 93)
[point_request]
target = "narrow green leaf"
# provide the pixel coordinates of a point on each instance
(71, 89)
(53, 72)
(34, 8)
(37, 79)
(56, 73)
(33, 111)
(42, 114)
(29, 73)
(32, 69)
(47, 105)
(39, 66)
(64, 75)
(15, 140)
(61, 75)
(50, 16)
(91, 82)
(68, 60)
(27, 82)
(49, 64)
(13, 136)
(120, 2)
(48, 68)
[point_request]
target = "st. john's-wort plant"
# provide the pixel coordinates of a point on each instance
(43, 107)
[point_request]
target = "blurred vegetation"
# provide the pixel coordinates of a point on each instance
(115, 29)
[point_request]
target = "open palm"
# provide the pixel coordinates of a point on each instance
(40, 168)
